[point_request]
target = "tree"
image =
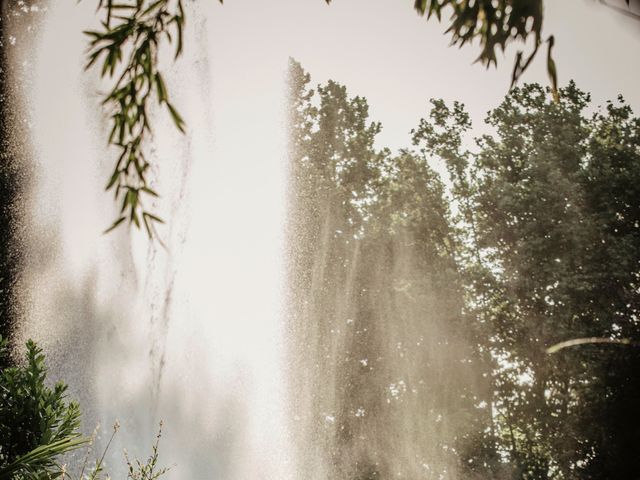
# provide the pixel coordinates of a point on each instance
(376, 304)
(552, 254)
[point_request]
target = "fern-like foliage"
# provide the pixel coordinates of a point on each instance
(37, 422)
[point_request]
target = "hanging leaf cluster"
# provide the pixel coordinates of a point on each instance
(127, 47)
(495, 24)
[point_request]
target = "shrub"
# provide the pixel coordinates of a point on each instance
(37, 422)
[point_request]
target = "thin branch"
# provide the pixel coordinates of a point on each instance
(591, 341)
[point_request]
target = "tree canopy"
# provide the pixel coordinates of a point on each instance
(541, 244)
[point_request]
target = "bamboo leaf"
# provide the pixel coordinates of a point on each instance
(162, 89)
(113, 179)
(154, 218)
(115, 225)
(149, 191)
(177, 119)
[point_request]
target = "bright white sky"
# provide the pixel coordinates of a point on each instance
(381, 49)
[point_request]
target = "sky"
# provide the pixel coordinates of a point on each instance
(383, 50)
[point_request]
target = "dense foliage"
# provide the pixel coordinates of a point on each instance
(542, 245)
(494, 25)
(551, 201)
(376, 300)
(38, 425)
(37, 422)
(128, 45)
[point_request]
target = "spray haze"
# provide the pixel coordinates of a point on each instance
(147, 331)
(382, 384)
(315, 306)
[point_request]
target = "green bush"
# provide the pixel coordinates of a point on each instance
(37, 422)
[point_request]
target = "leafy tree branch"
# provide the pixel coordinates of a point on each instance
(128, 44)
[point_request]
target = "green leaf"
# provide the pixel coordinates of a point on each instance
(113, 180)
(179, 21)
(177, 119)
(146, 225)
(154, 218)
(162, 89)
(152, 7)
(115, 224)
(134, 218)
(149, 191)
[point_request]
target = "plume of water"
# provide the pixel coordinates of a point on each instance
(191, 332)
(382, 382)
(186, 330)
